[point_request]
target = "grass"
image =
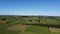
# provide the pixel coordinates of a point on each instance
(28, 33)
(37, 29)
(55, 32)
(18, 27)
(9, 32)
(3, 27)
(49, 21)
(31, 29)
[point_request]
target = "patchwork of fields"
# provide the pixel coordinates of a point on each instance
(29, 25)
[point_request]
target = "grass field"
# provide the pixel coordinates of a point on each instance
(38, 29)
(17, 24)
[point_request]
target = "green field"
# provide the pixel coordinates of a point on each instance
(28, 24)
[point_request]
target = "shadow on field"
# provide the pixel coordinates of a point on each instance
(45, 25)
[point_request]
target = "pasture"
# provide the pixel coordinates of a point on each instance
(29, 25)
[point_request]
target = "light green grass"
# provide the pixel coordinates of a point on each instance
(49, 21)
(30, 29)
(38, 29)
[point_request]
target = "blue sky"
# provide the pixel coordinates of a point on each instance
(30, 7)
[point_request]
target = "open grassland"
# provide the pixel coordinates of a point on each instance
(29, 25)
(38, 29)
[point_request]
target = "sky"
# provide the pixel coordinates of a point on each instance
(30, 7)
